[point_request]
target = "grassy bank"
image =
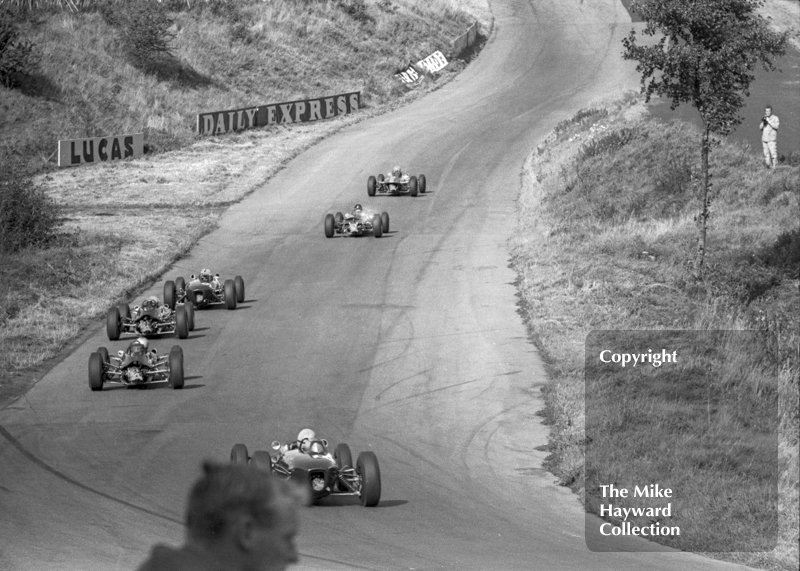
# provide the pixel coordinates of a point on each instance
(606, 231)
(126, 222)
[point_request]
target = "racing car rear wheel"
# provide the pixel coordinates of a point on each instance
(96, 372)
(343, 456)
(124, 310)
(385, 221)
(230, 294)
(181, 322)
(104, 354)
(338, 217)
(169, 294)
(238, 284)
(113, 324)
(371, 185)
(262, 460)
(176, 367)
(380, 178)
(330, 225)
(180, 284)
(367, 467)
(422, 183)
(412, 186)
(239, 454)
(189, 313)
(377, 226)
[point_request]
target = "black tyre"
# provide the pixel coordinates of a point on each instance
(238, 285)
(377, 226)
(262, 460)
(385, 222)
(343, 456)
(371, 185)
(176, 367)
(180, 284)
(181, 322)
(169, 294)
(367, 467)
(189, 306)
(338, 217)
(239, 454)
(96, 372)
(380, 178)
(124, 310)
(330, 225)
(104, 354)
(230, 294)
(412, 186)
(113, 324)
(422, 182)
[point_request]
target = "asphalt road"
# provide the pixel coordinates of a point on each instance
(408, 345)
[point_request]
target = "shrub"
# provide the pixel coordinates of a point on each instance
(17, 57)
(145, 30)
(28, 217)
(784, 253)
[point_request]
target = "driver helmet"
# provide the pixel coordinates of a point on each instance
(305, 434)
(150, 303)
(357, 208)
(205, 275)
(396, 171)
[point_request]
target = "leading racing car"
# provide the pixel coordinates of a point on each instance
(137, 365)
(205, 290)
(309, 463)
(148, 319)
(356, 223)
(395, 182)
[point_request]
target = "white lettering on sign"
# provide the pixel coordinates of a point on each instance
(433, 62)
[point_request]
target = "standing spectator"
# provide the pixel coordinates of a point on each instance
(239, 518)
(769, 137)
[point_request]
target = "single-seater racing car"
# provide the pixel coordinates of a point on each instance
(137, 365)
(395, 182)
(356, 223)
(148, 319)
(309, 463)
(204, 290)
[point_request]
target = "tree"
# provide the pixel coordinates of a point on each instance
(705, 56)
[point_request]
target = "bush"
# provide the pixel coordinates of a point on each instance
(145, 30)
(17, 57)
(28, 217)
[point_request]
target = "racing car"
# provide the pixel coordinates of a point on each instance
(204, 290)
(136, 366)
(325, 474)
(357, 223)
(395, 182)
(148, 319)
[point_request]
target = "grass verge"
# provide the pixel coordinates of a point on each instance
(606, 229)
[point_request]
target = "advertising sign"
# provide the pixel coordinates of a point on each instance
(74, 152)
(408, 76)
(433, 62)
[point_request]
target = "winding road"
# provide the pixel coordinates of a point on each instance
(409, 345)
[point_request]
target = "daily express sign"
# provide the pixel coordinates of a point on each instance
(303, 111)
(74, 152)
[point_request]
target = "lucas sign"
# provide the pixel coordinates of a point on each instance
(303, 111)
(74, 152)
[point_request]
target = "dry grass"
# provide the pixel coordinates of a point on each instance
(605, 232)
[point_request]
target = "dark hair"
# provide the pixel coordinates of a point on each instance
(227, 490)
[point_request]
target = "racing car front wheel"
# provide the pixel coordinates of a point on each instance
(230, 294)
(377, 226)
(422, 183)
(330, 225)
(169, 294)
(262, 460)
(238, 285)
(385, 222)
(371, 184)
(181, 322)
(239, 454)
(367, 467)
(96, 372)
(176, 367)
(113, 324)
(189, 306)
(412, 186)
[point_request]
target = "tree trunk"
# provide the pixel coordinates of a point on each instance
(702, 217)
